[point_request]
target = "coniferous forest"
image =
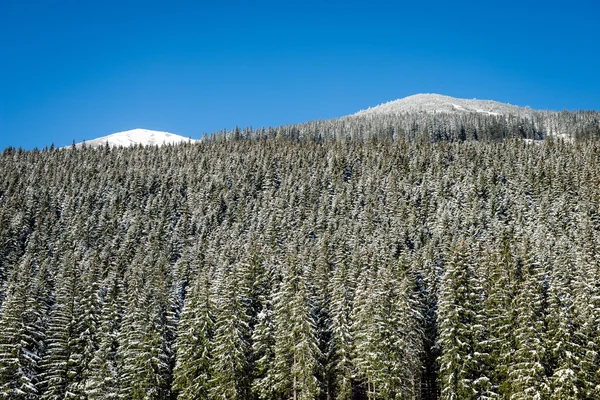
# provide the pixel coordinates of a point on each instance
(281, 265)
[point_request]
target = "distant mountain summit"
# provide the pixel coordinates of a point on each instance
(132, 137)
(448, 118)
(437, 103)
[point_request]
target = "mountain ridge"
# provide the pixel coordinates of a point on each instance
(438, 103)
(438, 116)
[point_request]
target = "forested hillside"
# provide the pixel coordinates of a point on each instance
(278, 268)
(390, 125)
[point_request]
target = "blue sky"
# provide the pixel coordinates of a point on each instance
(75, 70)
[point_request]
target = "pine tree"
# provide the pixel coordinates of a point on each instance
(103, 382)
(144, 354)
(587, 304)
(528, 372)
(296, 352)
(319, 279)
(462, 362)
(388, 335)
(85, 336)
(22, 337)
(59, 370)
(502, 272)
(229, 377)
(343, 341)
(263, 342)
(263, 334)
(192, 373)
(362, 316)
(562, 344)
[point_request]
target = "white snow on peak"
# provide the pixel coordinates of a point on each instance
(132, 137)
(437, 103)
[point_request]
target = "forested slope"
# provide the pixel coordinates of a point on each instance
(433, 126)
(277, 269)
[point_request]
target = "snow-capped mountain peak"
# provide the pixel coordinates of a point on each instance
(139, 136)
(437, 103)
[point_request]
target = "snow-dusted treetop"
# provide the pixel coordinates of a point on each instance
(437, 103)
(132, 137)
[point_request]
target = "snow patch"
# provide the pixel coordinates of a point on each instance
(139, 136)
(437, 103)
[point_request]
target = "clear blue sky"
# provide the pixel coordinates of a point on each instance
(75, 70)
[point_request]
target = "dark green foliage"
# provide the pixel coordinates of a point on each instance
(193, 368)
(283, 264)
(145, 338)
(22, 334)
(229, 367)
(463, 363)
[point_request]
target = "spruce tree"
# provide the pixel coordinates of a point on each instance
(528, 373)
(103, 382)
(194, 345)
(343, 341)
(296, 352)
(144, 354)
(229, 377)
(22, 338)
(463, 373)
(58, 363)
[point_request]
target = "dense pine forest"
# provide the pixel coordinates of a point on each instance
(294, 263)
